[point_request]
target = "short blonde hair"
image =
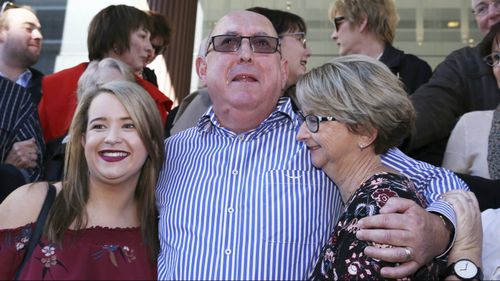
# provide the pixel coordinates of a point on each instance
(382, 15)
(362, 93)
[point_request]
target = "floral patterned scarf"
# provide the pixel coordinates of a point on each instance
(494, 146)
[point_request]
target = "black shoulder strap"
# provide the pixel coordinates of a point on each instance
(38, 229)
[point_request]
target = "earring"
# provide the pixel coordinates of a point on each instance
(361, 146)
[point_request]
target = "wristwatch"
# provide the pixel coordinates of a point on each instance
(465, 269)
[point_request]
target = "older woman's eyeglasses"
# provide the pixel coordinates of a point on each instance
(300, 36)
(482, 8)
(492, 59)
(312, 121)
(232, 43)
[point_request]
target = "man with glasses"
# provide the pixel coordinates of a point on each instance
(291, 30)
(238, 197)
(368, 27)
(21, 144)
(463, 82)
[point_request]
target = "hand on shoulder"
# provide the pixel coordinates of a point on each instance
(23, 205)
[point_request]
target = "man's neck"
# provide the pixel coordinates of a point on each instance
(11, 72)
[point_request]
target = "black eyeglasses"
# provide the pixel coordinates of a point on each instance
(7, 6)
(337, 21)
(232, 43)
(300, 36)
(312, 121)
(492, 59)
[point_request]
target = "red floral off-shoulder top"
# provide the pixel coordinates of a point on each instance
(90, 254)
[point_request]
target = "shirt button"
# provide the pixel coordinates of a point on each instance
(235, 172)
(227, 252)
(242, 137)
(230, 210)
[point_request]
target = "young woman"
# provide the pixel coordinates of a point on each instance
(102, 224)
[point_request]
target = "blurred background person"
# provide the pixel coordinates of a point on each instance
(368, 27)
(460, 84)
(102, 224)
(118, 31)
(160, 38)
(473, 149)
(22, 149)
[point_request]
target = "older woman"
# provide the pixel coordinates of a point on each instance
(102, 224)
(355, 110)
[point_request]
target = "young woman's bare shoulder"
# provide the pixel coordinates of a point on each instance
(23, 205)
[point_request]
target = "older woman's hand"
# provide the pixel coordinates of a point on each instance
(469, 232)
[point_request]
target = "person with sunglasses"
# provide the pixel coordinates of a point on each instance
(292, 32)
(238, 198)
(160, 38)
(368, 27)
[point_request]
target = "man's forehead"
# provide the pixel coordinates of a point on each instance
(238, 23)
(477, 2)
(22, 15)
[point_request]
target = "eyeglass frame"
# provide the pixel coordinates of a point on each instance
(317, 120)
(7, 5)
(211, 43)
(486, 6)
(337, 22)
(487, 58)
(300, 36)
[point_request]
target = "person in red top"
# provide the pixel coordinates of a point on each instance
(128, 42)
(102, 223)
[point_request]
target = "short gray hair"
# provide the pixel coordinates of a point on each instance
(89, 79)
(362, 93)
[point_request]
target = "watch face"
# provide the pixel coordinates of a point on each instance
(465, 269)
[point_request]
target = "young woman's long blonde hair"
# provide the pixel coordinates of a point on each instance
(69, 206)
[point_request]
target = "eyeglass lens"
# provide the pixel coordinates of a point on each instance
(232, 43)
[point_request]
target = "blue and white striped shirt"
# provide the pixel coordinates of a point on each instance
(243, 206)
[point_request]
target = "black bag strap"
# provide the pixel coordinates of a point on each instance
(37, 231)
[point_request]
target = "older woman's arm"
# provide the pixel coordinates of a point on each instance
(469, 236)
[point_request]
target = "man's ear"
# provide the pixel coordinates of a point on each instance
(201, 69)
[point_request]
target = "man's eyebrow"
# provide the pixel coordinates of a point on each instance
(261, 33)
(32, 24)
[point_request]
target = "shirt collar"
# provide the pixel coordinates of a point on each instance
(23, 79)
(283, 113)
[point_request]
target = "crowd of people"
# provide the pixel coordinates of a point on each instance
(270, 171)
